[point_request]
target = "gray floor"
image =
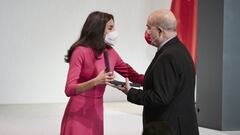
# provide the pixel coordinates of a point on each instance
(44, 119)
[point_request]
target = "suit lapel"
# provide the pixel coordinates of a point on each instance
(173, 41)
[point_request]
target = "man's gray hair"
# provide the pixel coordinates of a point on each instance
(164, 19)
(167, 23)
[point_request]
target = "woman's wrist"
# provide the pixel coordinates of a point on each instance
(95, 82)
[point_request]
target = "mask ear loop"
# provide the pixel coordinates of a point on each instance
(160, 30)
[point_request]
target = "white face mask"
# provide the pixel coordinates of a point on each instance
(111, 38)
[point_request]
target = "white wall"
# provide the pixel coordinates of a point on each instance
(35, 35)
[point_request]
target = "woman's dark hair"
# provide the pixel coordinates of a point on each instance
(92, 34)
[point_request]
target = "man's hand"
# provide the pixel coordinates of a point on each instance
(124, 88)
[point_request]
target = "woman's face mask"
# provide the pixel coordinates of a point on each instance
(111, 34)
(111, 38)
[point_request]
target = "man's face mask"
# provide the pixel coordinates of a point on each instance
(148, 37)
(111, 37)
(151, 40)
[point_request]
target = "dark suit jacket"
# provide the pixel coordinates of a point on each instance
(168, 91)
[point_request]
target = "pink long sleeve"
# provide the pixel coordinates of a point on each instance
(74, 72)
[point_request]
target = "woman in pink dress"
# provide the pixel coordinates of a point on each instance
(86, 80)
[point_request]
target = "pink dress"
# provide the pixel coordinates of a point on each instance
(84, 112)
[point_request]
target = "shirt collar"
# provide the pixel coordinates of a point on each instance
(161, 45)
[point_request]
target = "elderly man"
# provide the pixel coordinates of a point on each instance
(169, 82)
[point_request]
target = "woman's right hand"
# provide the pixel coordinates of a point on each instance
(103, 77)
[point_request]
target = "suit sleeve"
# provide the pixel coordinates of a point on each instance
(164, 80)
(127, 71)
(74, 72)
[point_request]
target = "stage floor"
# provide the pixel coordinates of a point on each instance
(121, 118)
